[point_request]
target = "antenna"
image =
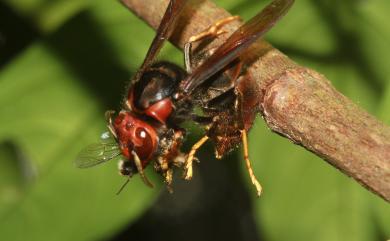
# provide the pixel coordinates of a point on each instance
(123, 186)
(138, 164)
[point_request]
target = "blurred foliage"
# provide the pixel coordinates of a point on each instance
(64, 62)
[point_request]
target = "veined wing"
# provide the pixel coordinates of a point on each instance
(97, 153)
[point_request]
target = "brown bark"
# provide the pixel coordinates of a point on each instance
(298, 103)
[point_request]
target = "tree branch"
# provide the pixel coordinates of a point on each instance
(297, 102)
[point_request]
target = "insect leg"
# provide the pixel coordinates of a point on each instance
(254, 180)
(138, 164)
(162, 166)
(212, 31)
(191, 157)
(168, 175)
(110, 127)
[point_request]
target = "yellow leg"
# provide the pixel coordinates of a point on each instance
(162, 165)
(212, 31)
(168, 179)
(254, 180)
(191, 156)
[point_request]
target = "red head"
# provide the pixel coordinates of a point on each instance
(135, 134)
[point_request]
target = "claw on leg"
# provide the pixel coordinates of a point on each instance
(191, 158)
(254, 180)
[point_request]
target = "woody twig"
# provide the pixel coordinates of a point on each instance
(297, 102)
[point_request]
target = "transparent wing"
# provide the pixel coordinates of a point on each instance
(97, 153)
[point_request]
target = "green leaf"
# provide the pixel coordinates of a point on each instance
(48, 15)
(303, 196)
(374, 36)
(54, 94)
(310, 33)
(50, 116)
(53, 99)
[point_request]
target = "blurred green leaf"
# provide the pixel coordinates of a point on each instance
(49, 115)
(305, 196)
(306, 31)
(54, 94)
(374, 35)
(385, 106)
(48, 15)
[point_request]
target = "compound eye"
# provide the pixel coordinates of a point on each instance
(146, 149)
